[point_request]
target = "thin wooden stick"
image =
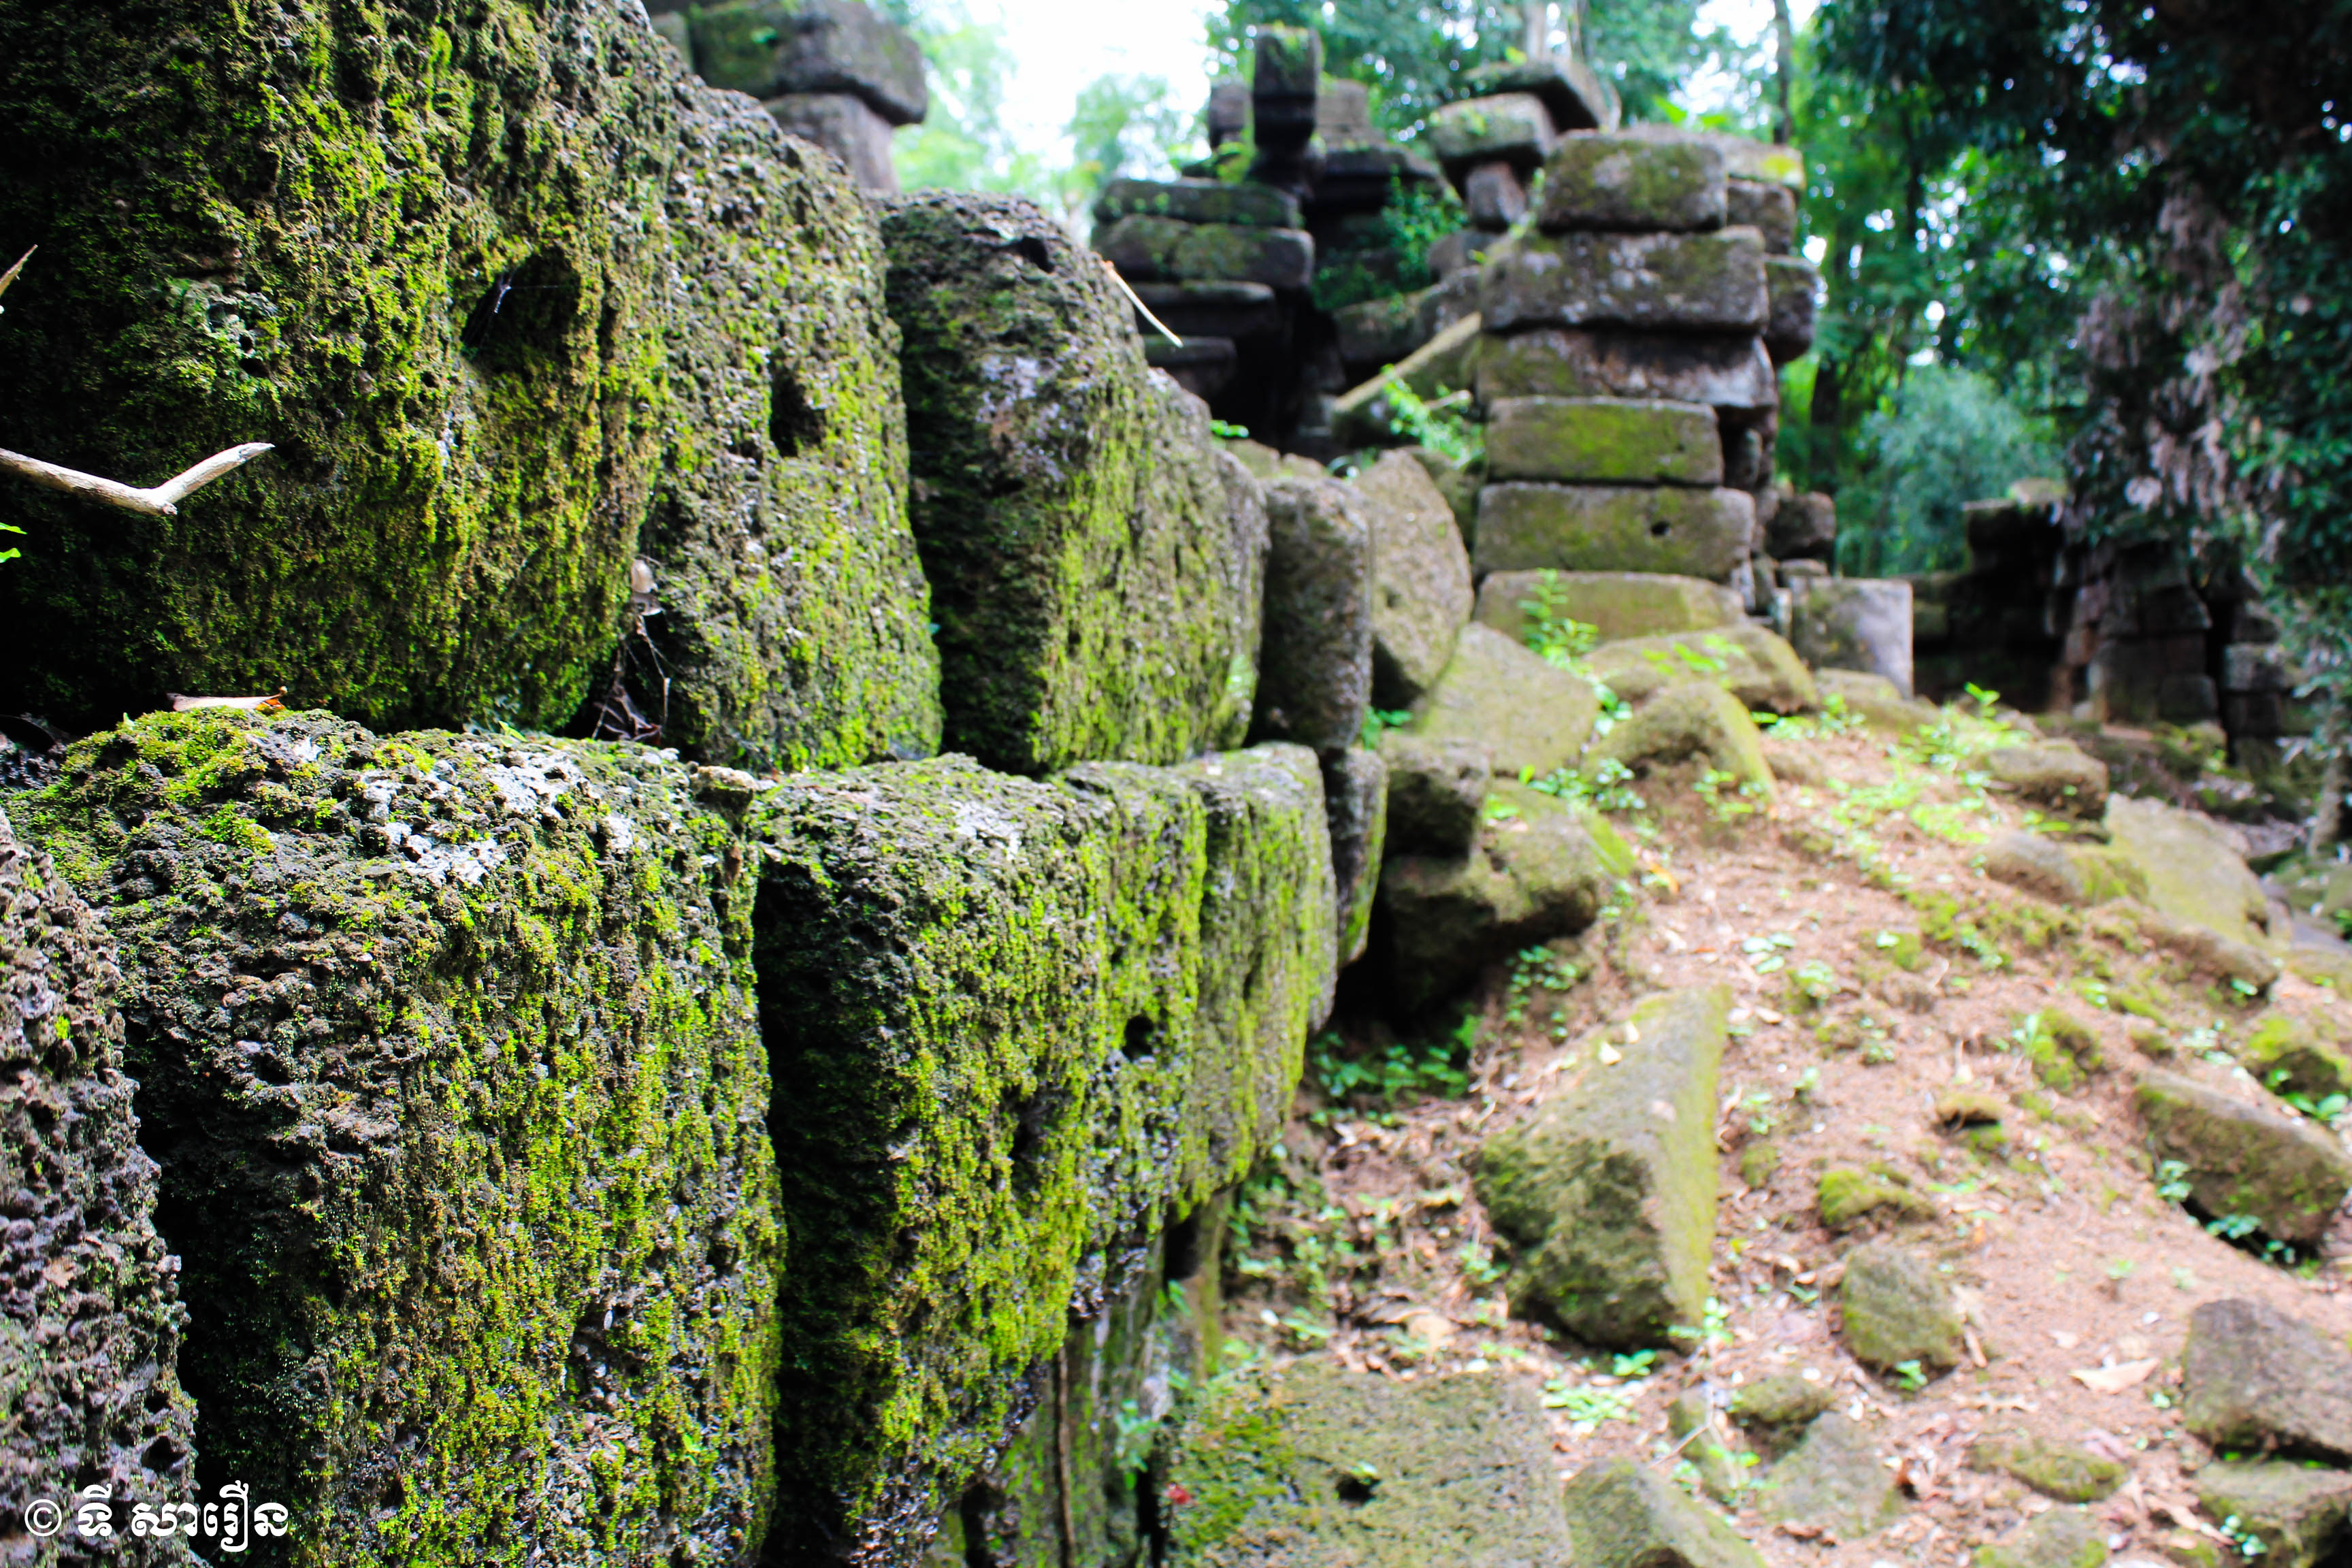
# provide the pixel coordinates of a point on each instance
(1136, 300)
(160, 501)
(12, 272)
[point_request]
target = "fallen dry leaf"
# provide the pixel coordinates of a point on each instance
(2116, 1379)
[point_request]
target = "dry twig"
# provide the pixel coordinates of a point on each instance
(160, 502)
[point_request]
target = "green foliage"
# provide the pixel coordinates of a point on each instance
(6, 555)
(1402, 1071)
(1551, 632)
(1947, 436)
(1437, 424)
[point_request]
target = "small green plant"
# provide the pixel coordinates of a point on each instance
(1813, 983)
(1405, 1070)
(2183, 1278)
(2120, 1268)
(1909, 1376)
(1479, 1265)
(1633, 1364)
(1551, 632)
(1588, 1408)
(1435, 423)
(1133, 1433)
(1607, 790)
(1226, 430)
(1728, 796)
(2234, 1226)
(2248, 1543)
(1381, 721)
(2172, 1186)
(1807, 1086)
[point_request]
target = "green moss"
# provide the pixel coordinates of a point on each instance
(1844, 1198)
(451, 1052)
(2054, 1469)
(2287, 1053)
(2063, 1050)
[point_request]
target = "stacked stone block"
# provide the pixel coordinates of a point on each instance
(1492, 142)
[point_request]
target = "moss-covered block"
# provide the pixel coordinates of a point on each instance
(1603, 440)
(2062, 1538)
(2254, 1378)
(447, 1049)
(2298, 1512)
(1616, 604)
(1845, 1197)
(1774, 1410)
(1318, 654)
(1013, 1025)
(1650, 283)
(1726, 371)
(2058, 1471)
(2194, 873)
(1696, 719)
(1596, 180)
(1503, 127)
(1622, 1514)
(1897, 1308)
(1793, 285)
(90, 1325)
(1199, 201)
(1750, 661)
(1770, 209)
(1681, 532)
(767, 48)
(2243, 1159)
(2287, 1055)
(1530, 716)
(1609, 1189)
(1832, 1481)
(1169, 250)
(1096, 561)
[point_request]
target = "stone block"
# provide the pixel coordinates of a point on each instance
(451, 1040)
(2245, 1159)
(1833, 1482)
(1794, 284)
(1377, 334)
(1770, 209)
(1096, 562)
(771, 48)
(2252, 1378)
(1616, 604)
(1697, 719)
(2193, 869)
(1803, 527)
(1496, 195)
(1744, 157)
(1651, 283)
(1163, 250)
(2254, 667)
(1343, 113)
(90, 1324)
(1530, 715)
(2062, 1538)
(1510, 127)
(1896, 1308)
(1315, 681)
(1751, 440)
(1198, 201)
(1013, 1023)
(1855, 622)
(2291, 1055)
(1612, 527)
(1622, 1514)
(1437, 793)
(2297, 1512)
(1361, 179)
(1577, 97)
(2055, 775)
(1420, 579)
(1608, 1187)
(1596, 180)
(1746, 660)
(1724, 373)
(1356, 805)
(1202, 366)
(846, 126)
(1875, 700)
(1460, 251)
(2059, 1470)
(1191, 311)
(1603, 440)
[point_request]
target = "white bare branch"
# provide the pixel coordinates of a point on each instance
(11, 275)
(160, 502)
(273, 703)
(1136, 300)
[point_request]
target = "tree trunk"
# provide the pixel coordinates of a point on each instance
(1784, 62)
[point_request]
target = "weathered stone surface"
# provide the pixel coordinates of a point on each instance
(1376, 334)
(1774, 1410)
(2055, 775)
(1201, 366)
(1770, 209)
(1833, 1481)
(1314, 682)
(1097, 563)
(1577, 97)
(2075, 874)
(1528, 714)
(1453, 257)
(2244, 1159)
(1456, 484)
(2297, 1513)
(1511, 127)
(766, 48)
(1678, 282)
(1612, 527)
(1898, 1309)
(1598, 180)
(1012, 1024)
(1712, 1444)
(2254, 1378)
(1420, 579)
(1166, 249)
(90, 1327)
(1263, 462)
(390, 995)
(1194, 310)
(1356, 804)
(2059, 1470)
(1846, 1197)
(1617, 605)
(1748, 661)
(1198, 201)
(1794, 284)
(2062, 1538)
(2194, 872)
(2287, 1053)
(1609, 1188)
(1625, 1515)
(1855, 622)
(1874, 699)
(520, 366)
(1495, 196)
(846, 126)
(1803, 527)
(1698, 719)
(1729, 372)
(1437, 793)
(1315, 1466)
(1603, 440)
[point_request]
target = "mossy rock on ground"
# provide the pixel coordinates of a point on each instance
(1532, 717)
(1846, 1197)
(1437, 793)
(2287, 1053)
(2243, 1159)
(1897, 1308)
(1696, 719)
(448, 1049)
(1097, 560)
(2193, 872)
(1622, 1514)
(1616, 604)
(1748, 661)
(1420, 579)
(1609, 1188)
(2297, 1512)
(2062, 1538)
(2054, 775)
(90, 1333)
(519, 301)
(1833, 1480)
(2058, 1471)
(1774, 1410)
(2255, 1379)
(1874, 698)
(1318, 1467)
(1015, 1025)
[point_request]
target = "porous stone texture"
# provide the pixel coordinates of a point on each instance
(1577, 97)
(1794, 284)
(1495, 196)
(2244, 1159)
(1617, 605)
(1622, 1514)
(1802, 528)
(1722, 372)
(1420, 579)
(2255, 1379)
(1774, 1410)
(1698, 719)
(2074, 874)
(1770, 209)
(1833, 1481)
(1748, 661)
(766, 48)
(1898, 1309)
(1603, 440)
(387, 992)
(1531, 716)
(1012, 1024)
(1670, 282)
(1613, 528)
(2059, 1470)
(1538, 869)
(91, 1323)
(1845, 1197)
(1315, 677)
(2062, 1538)
(1312, 1466)
(1609, 1188)
(1511, 127)
(2054, 774)
(1356, 804)
(1198, 201)
(1437, 793)
(2297, 1513)
(2194, 871)
(845, 125)
(521, 352)
(1170, 250)
(1855, 623)
(1596, 180)
(1099, 562)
